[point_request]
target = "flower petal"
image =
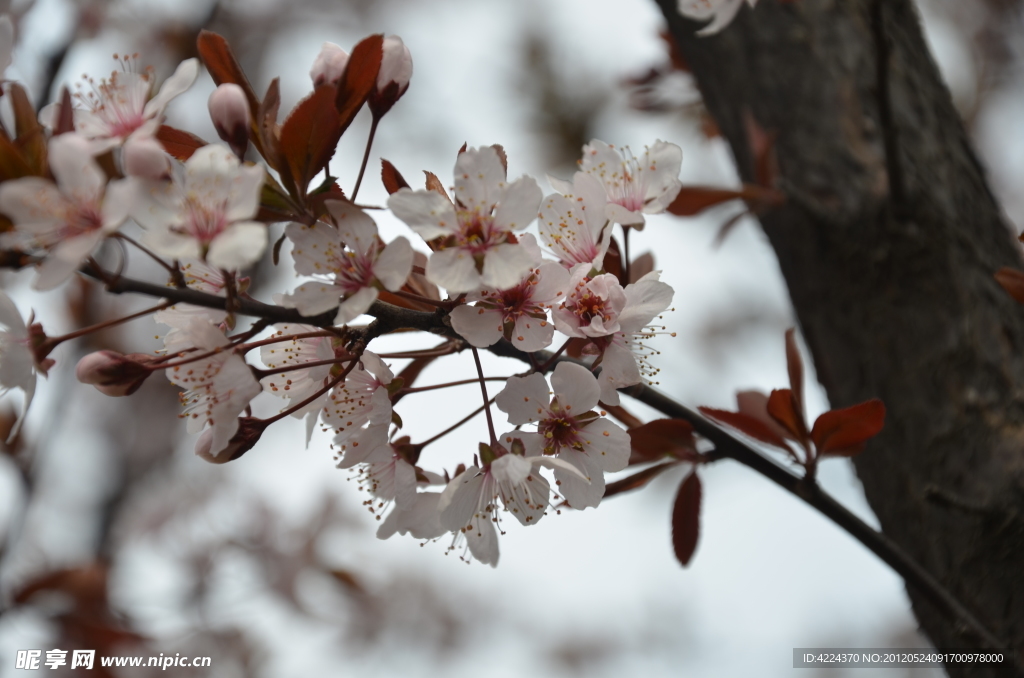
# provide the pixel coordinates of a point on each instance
(479, 326)
(480, 179)
(184, 75)
(524, 399)
(519, 204)
(428, 213)
(576, 388)
(356, 305)
(394, 264)
(453, 269)
(238, 246)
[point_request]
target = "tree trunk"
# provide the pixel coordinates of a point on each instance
(888, 244)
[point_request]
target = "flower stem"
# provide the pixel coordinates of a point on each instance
(487, 401)
(108, 323)
(456, 425)
(366, 157)
(433, 387)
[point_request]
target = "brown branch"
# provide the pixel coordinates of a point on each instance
(390, 318)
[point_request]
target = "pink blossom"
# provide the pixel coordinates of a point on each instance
(476, 247)
(592, 305)
(112, 373)
(68, 219)
(348, 262)
(329, 65)
(145, 157)
(229, 111)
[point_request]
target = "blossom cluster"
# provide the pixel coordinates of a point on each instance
(516, 267)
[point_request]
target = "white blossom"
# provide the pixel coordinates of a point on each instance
(68, 219)
(206, 211)
(633, 185)
(359, 409)
(469, 503)
(592, 305)
(301, 383)
(348, 262)
(575, 226)
(329, 65)
(476, 246)
(217, 388)
(120, 107)
(17, 361)
(519, 313)
(567, 427)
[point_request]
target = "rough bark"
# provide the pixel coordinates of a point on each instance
(888, 245)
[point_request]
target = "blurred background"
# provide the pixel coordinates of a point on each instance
(115, 537)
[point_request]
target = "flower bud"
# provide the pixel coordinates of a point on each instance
(145, 158)
(393, 77)
(249, 431)
(229, 110)
(114, 374)
(329, 65)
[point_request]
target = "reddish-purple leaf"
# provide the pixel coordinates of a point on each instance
(686, 518)
(637, 480)
(65, 114)
(641, 266)
(844, 432)
(434, 184)
(693, 200)
(795, 367)
(625, 417)
(755, 404)
(392, 178)
(178, 143)
(1012, 281)
(782, 408)
(29, 133)
(660, 438)
(309, 136)
(747, 424)
(358, 80)
(613, 261)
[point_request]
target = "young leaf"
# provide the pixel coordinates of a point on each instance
(747, 424)
(661, 438)
(266, 132)
(844, 432)
(309, 136)
(637, 480)
(223, 67)
(178, 143)
(795, 367)
(434, 184)
(30, 138)
(686, 518)
(65, 114)
(359, 79)
(625, 417)
(641, 266)
(782, 408)
(1012, 281)
(393, 179)
(693, 200)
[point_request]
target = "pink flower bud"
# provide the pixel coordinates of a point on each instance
(329, 65)
(393, 77)
(229, 110)
(144, 157)
(114, 374)
(249, 431)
